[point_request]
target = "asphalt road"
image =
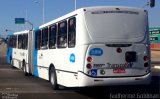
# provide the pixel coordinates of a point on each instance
(14, 85)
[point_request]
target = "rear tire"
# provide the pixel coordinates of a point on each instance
(24, 68)
(53, 79)
(11, 63)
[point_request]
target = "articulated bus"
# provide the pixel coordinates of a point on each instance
(92, 46)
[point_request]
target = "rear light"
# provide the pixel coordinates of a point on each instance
(89, 59)
(89, 66)
(146, 64)
(119, 50)
(145, 58)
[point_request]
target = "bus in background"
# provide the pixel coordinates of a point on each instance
(18, 53)
(92, 46)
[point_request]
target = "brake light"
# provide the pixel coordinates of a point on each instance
(145, 58)
(89, 59)
(89, 66)
(119, 50)
(146, 64)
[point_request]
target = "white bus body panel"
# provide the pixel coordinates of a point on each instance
(95, 31)
(90, 81)
(18, 55)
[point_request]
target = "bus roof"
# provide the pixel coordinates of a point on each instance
(21, 32)
(80, 10)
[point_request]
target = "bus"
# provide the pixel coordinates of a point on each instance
(92, 46)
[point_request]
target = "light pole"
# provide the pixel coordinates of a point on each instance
(43, 11)
(75, 4)
(43, 16)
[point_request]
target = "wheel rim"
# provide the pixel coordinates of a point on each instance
(52, 79)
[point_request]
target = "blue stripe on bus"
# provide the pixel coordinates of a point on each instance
(35, 56)
(9, 54)
(35, 63)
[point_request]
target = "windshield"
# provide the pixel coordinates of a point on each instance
(119, 26)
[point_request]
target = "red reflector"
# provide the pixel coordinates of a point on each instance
(89, 66)
(119, 50)
(89, 59)
(145, 58)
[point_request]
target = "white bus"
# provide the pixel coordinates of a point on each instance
(92, 46)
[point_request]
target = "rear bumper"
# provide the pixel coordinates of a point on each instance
(85, 80)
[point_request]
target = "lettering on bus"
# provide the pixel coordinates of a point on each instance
(96, 52)
(126, 65)
(112, 66)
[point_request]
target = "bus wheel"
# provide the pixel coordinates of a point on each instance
(53, 79)
(11, 62)
(24, 68)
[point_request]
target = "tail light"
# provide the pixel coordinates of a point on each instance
(119, 50)
(89, 59)
(89, 66)
(145, 58)
(146, 64)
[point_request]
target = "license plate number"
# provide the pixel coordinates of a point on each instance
(119, 70)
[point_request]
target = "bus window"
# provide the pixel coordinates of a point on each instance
(20, 41)
(25, 41)
(52, 36)
(38, 39)
(62, 34)
(12, 41)
(71, 32)
(15, 41)
(44, 38)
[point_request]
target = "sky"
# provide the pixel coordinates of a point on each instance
(32, 10)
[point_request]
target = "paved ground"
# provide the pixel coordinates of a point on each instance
(155, 56)
(14, 85)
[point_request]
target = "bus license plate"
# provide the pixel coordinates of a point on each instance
(119, 70)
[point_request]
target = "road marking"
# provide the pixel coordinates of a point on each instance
(157, 67)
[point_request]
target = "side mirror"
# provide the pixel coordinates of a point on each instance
(152, 3)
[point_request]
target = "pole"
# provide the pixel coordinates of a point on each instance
(43, 16)
(75, 4)
(26, 17)
(43, 11)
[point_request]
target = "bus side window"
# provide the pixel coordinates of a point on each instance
(26, 41)
(52, 36)
(62, 35)
(38, 40)
(13, 41)
(44, 38)
(20, 41)
(71, 32)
